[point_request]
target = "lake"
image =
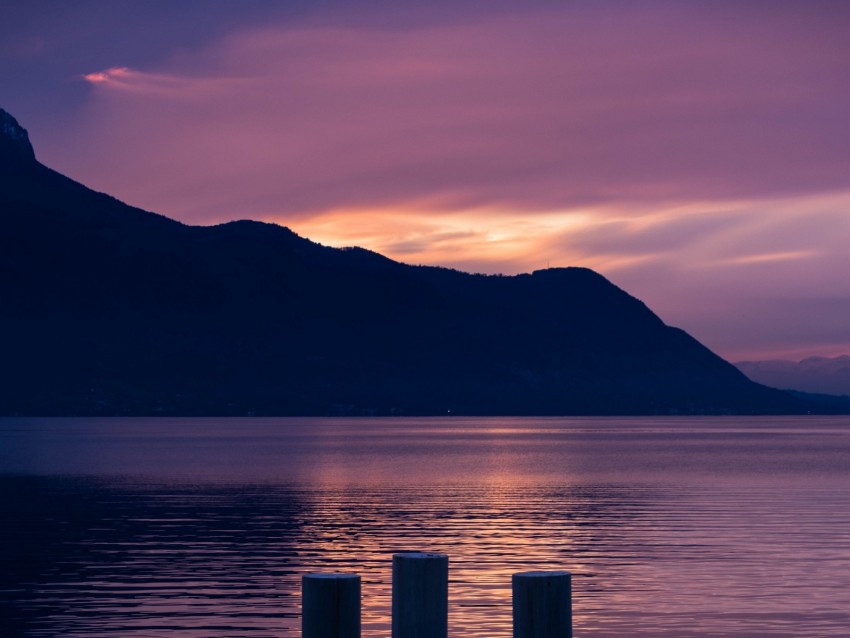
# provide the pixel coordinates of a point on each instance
(674, 527)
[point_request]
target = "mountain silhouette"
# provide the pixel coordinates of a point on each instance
(813, 374)
(109, 309)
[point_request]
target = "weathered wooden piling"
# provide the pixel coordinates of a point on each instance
(542, 605)
(330, 606)
(420, 604)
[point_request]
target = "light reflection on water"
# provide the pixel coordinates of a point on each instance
(190, 528)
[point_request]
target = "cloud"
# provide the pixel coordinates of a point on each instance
(767, 258)
(768, 282)
(687, 150)
(547, 110)
(484, 240)
(114, 75)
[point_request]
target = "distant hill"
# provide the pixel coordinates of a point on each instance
(109, 309)
(815, 374)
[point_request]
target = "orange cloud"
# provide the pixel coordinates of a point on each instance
(114, 74)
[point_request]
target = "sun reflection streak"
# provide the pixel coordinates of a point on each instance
(441, 515)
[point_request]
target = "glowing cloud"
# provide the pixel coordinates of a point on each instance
(766, 258)
(115, 75)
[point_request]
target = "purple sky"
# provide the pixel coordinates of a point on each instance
(695, 153)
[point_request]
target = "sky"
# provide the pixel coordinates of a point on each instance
(697, 154)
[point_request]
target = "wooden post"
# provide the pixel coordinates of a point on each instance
(542, 605)
(420, 595)
(330, 606)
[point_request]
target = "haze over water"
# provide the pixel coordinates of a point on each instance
(202, 527)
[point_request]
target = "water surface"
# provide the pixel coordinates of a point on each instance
(691, 527)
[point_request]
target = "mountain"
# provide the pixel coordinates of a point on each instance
(828, 375)
(109, 309)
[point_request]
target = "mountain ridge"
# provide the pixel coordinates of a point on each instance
(118, 311)
(14, 139)
(825, 375)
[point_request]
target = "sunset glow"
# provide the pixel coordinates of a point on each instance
(694, 153)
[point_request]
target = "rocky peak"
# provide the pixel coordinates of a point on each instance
(14, 138)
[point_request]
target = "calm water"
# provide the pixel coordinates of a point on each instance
(190, 528)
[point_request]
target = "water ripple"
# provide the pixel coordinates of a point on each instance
(685, 552)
